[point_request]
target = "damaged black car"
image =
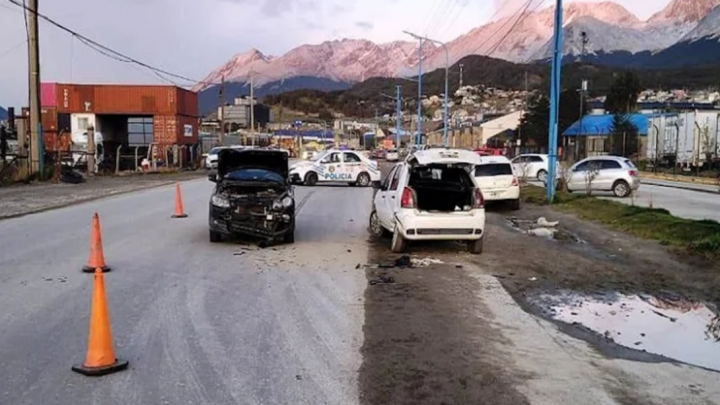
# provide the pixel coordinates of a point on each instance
(253, 196)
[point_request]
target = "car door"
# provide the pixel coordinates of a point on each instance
(330, 167)
(352, 165)
(536, 163)
(520, 166)
(383, 209)
(577, 176)
(608, 173)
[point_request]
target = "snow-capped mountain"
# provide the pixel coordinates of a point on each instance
(610, 28)
(346, 60)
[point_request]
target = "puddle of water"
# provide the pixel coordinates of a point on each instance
(674, 328)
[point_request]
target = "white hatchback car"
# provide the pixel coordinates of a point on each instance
(494, 175)
(531, 166)
(392, 155)
(432, 195)
(333, 166)
(604, 173)
(212, 157)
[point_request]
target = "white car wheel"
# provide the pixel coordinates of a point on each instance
(542, 176)
(376, 228)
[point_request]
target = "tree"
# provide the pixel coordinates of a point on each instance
(623, 93)
(535, 124)
(623, 138)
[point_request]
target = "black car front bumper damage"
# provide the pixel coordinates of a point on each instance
(253, 219)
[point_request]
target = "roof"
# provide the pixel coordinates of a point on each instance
(594, 125)
(493, 159)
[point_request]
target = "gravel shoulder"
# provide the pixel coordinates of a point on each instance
(19, 200)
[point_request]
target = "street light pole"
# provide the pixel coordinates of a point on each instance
(398, 118)
(554, 102)
(447, 83)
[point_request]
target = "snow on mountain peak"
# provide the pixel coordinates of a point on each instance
(708, 27)
(684, 11)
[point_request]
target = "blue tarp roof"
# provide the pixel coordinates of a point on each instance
(595, 125)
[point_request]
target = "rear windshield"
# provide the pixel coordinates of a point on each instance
(259, 175)
(493, 169)
(214, 151)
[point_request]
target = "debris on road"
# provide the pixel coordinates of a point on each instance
(667, 326)
(405, 261)
(383, 280)
(426, 262)
(543, 228)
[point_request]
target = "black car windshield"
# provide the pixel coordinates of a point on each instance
(255, 175)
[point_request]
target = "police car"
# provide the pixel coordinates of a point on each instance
(333, 166)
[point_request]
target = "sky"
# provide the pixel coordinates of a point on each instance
(193, 37)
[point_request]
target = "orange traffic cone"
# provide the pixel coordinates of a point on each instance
(97, 258)
(179, 213)
(100, 358)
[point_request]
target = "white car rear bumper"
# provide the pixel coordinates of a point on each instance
(512, 193)
(418, 225)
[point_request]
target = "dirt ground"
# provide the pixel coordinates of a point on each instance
(430, 340)
(24, 199)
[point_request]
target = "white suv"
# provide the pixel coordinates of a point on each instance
(432, 195)
(531, 166)
(494, 175)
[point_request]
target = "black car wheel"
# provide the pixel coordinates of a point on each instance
(215, 237)
(363, 179)
(311, 179)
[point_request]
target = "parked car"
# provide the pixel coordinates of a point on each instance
(431, 196)
(308, 154)
(531, 166)
(494, 175)
(252, 196)
(604, 173)
(336, 166)
(212, 157)
(380, 153)
(392, 155)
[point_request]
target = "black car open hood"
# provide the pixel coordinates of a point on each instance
(233, 159)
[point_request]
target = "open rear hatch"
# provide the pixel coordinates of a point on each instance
(442, 188)
(233, 159)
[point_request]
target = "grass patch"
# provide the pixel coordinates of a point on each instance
(701, 237)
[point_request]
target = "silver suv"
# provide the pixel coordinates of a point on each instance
(604, 173)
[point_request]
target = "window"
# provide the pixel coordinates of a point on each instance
(140, 131)
(535, 159)
(83, 123)
(609, 165)
(581, 167)
(386, 182)
(332, 158)
(520, 160)
(351, 158)
(494, 169)
(396, 179)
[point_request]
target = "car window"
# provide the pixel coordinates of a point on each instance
(535, 159)
(331, 158)
(395, 180)
(609, 165)
(629, 164)
(386, 182)
(351, 158)
(581, 167)
(493, 169)
(214, 151)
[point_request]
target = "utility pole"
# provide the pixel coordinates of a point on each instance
(583, 89)
(91, 150)
(36, 139)
(554, 102)
(461, 74)
(252, 107)
(398, 116)
(221, 110)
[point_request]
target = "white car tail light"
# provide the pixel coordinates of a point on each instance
(478, 199)
(408, 198)
(515, 181)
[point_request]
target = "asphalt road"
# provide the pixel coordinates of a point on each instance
(198, 324)
(229, 323)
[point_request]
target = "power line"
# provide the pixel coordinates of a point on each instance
(456, 15)
(439, 21)
(507, 21)
(521, 18)
(104, 50)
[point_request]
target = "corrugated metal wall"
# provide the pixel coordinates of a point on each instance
(124, 99)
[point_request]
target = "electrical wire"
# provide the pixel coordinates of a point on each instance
(106, 51)
(445, 12)
(521, 18)
(456, 16)
(504, 24)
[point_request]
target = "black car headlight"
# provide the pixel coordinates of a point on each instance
(283, 203)
(220, 201)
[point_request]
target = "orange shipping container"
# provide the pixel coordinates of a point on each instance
(175, 129)
(49, 119)
(126, 99)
